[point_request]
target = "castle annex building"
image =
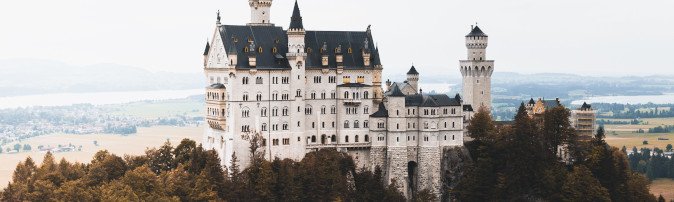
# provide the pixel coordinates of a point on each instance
(304, 90)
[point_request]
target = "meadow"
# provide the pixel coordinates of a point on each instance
(626, 135)
(121, 145)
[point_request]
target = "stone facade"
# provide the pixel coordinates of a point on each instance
(304, 90)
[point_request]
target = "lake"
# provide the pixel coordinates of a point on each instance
(637, 99)
(102, 98)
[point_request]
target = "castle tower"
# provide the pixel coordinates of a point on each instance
(413, 79)
(477, 70)
(297, 60)
(260, 12)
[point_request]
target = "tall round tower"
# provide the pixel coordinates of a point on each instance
(413, 79)
(477, 70)
(260, 12)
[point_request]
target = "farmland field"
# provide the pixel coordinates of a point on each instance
(664, 187)
(135, 144)
(625, 135)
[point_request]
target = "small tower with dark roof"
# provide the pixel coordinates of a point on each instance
(477, 70)
(208, 48)
(413, 78)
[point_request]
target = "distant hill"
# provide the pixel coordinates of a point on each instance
(29, 76)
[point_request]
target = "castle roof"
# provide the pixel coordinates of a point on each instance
(438, 100)
(381, 112)
(236, 38)
(413, 71)
(208, 48)
(585, 106)
(216, 86)
(476, 31)
(396, 92)
(532, 101)
(549, 104)
(296, 19)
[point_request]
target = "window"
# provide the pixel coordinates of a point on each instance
(332, 79)
(346, 138)
(323, 110)
(333, 95)
(313, 95)
(313, 125)
(258, 97)
(323, 95)
(333, 110)
(313, 138)
(245, 97)
(264, 127)
(366, 110)
(299, 93)
(263, 112)
(245, 128)
(245, 80)
(366, 124)
(245, 113)
(308, 110)
(346, 124)
(346, 79)
(356, 124)
(367, 138)
(285, 111)
(355, 139)
(366, 95)
(453, 125)
(346, 95)
(360, 79)
(258, 80)
(286, 141)
(285, 126)
(275, 142)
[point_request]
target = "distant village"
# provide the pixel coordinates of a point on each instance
(23, 123)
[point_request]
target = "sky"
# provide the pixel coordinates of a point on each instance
(598, 37)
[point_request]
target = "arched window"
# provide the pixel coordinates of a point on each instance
(346, 138)
(346, 95)
(356, 124)
(366, 95)
(313, 138)
(367, 138)
(356, 139)
(346, 124)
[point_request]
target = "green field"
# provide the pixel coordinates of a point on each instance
(154, 109)
(625, 135)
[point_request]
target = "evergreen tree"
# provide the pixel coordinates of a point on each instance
(481, 127)
(582, 186)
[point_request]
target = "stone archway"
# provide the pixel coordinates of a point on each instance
(412, 175)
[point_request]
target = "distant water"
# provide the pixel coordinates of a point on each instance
(637, 99)
(64, 99)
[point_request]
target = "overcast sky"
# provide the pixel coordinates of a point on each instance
(597, 37)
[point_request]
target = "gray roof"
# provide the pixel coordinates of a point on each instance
(413, 71)
(217, 86)
(382, 112)
(551, 104)
(476, 32)
(468, 108)
(532, 101)
(296, 19)
(208, 48)
(236, 39)
(439, 100)
(585, 106)
(396, 92)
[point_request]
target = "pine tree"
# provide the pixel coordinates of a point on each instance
(481, 127)
(582, 186)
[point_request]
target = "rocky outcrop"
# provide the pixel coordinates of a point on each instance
(453, 165)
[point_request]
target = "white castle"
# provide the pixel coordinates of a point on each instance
(307, 90)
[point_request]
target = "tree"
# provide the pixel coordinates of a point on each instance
(557, 128)
(26, 147)
(481, 127)
(160, 160)
(580, 185)
(669, 147)
(17, 147)
(600, 135)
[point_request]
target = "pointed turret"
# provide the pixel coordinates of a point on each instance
(208, 48)
(476, 32)
(296, 19)
(413, 71)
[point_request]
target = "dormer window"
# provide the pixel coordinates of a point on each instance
(308, 50)
(350, 50)
(274, 50)
(245, 49)
(259, 49)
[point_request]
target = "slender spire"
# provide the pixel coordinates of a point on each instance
(296, 19)
(208, 48)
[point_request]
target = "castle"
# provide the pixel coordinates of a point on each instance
(306, 90)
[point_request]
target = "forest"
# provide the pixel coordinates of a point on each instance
(521, 162)
(653, 163)
(517, 162)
